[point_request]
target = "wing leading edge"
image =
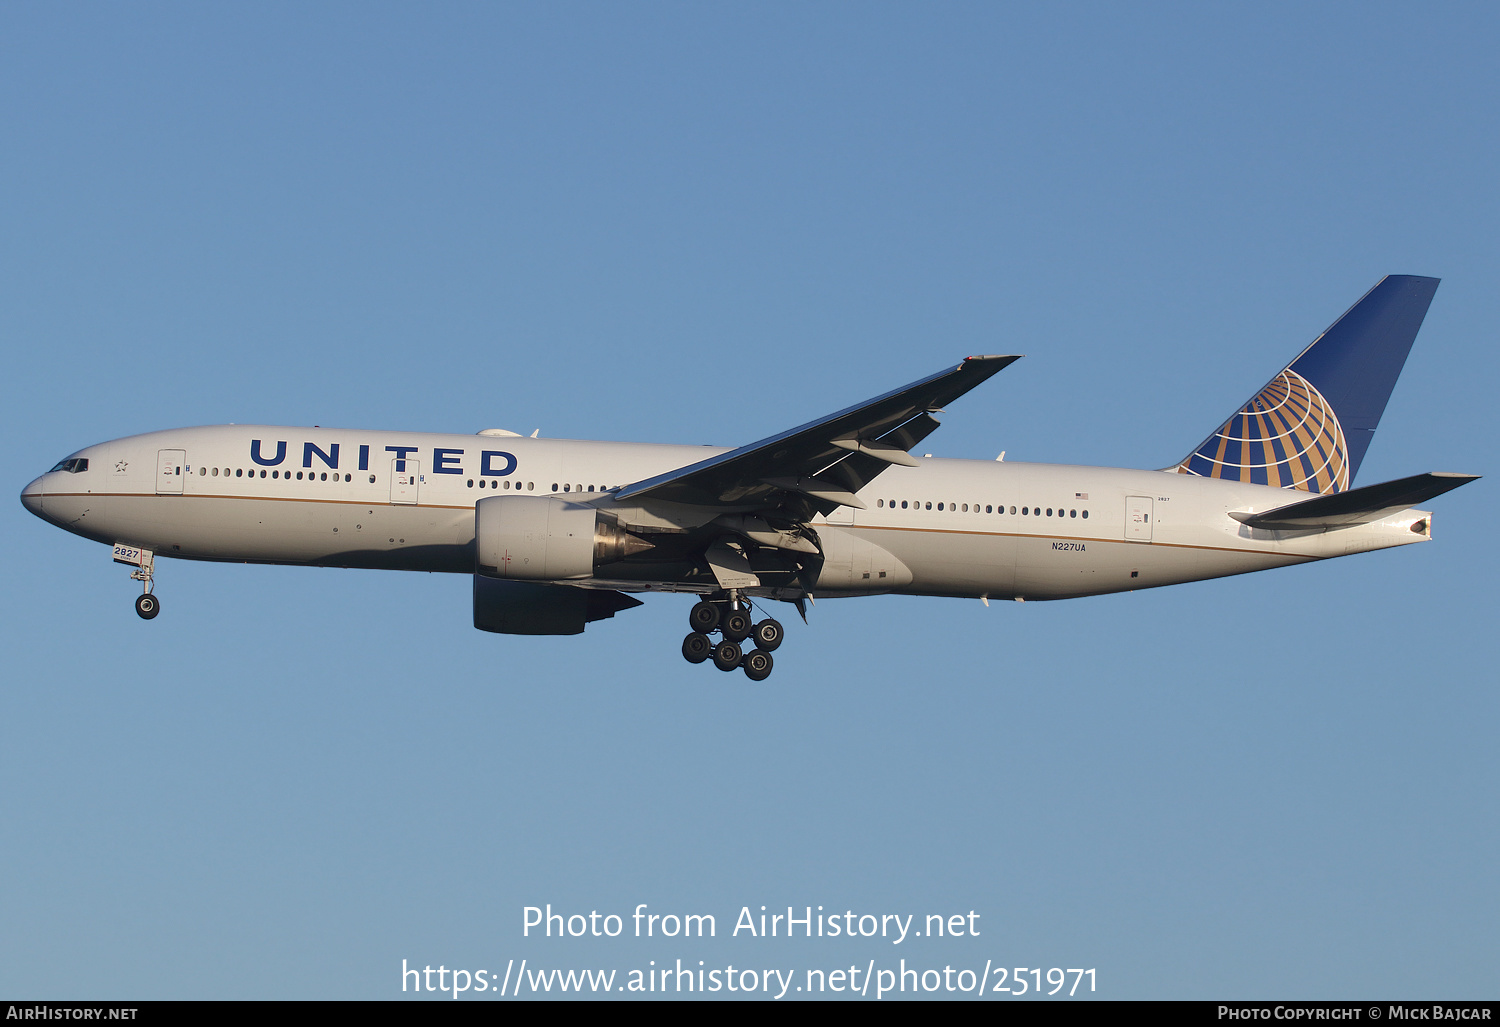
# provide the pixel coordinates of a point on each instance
(827, 460)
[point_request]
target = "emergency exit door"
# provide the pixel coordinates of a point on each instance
(1138, 518)
(169, 471)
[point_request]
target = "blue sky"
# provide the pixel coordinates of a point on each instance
(691, 223)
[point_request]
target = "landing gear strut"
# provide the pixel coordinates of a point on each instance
(731, 618)
(147, 605)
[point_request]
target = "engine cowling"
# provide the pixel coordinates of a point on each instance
(534, 608)
(544, 538)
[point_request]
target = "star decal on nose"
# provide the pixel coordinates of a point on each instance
(120, 465)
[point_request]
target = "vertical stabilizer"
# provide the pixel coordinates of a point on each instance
(1310, 426)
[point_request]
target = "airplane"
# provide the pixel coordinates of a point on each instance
(558, 533)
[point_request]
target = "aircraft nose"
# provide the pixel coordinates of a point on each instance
(32, 497)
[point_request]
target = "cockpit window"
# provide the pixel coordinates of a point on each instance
(72, 465)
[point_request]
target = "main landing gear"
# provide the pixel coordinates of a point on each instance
(731, 619)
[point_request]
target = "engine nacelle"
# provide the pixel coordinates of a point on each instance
(543, 538)
(532, 608)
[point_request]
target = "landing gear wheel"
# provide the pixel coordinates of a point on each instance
(736, 625)
(727, 655)
(147, 606)
(704, 617)
(696, 647)
(768, 635)
(758, 665)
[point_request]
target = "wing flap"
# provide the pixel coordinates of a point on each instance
(730, 567)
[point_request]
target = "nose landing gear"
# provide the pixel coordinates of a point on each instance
(147, 606)
(731, 618)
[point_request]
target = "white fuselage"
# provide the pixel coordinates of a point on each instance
(406, 501)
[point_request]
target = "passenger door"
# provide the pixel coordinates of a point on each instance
(169, 471)
(1138, 518)
(406, 478)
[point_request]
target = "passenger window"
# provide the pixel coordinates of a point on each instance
(940, 506)
(1049, 511)
(471, 483)
(1072, 513)
(1085, 515)
(989, 509)
(1025, 510)
(531, 486)
(929, 506)
(903, 504)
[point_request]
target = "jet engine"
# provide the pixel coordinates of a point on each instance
(544, 538)
(532, 608)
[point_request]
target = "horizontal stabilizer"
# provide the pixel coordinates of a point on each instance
(1357, 506)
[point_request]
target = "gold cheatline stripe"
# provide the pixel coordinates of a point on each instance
(870, 527)
(1076, 538)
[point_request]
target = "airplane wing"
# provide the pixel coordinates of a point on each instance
(827, 460)
(1357, 506)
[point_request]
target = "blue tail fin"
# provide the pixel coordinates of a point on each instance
(1310, 426)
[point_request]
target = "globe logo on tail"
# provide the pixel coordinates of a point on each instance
(1287, 436)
